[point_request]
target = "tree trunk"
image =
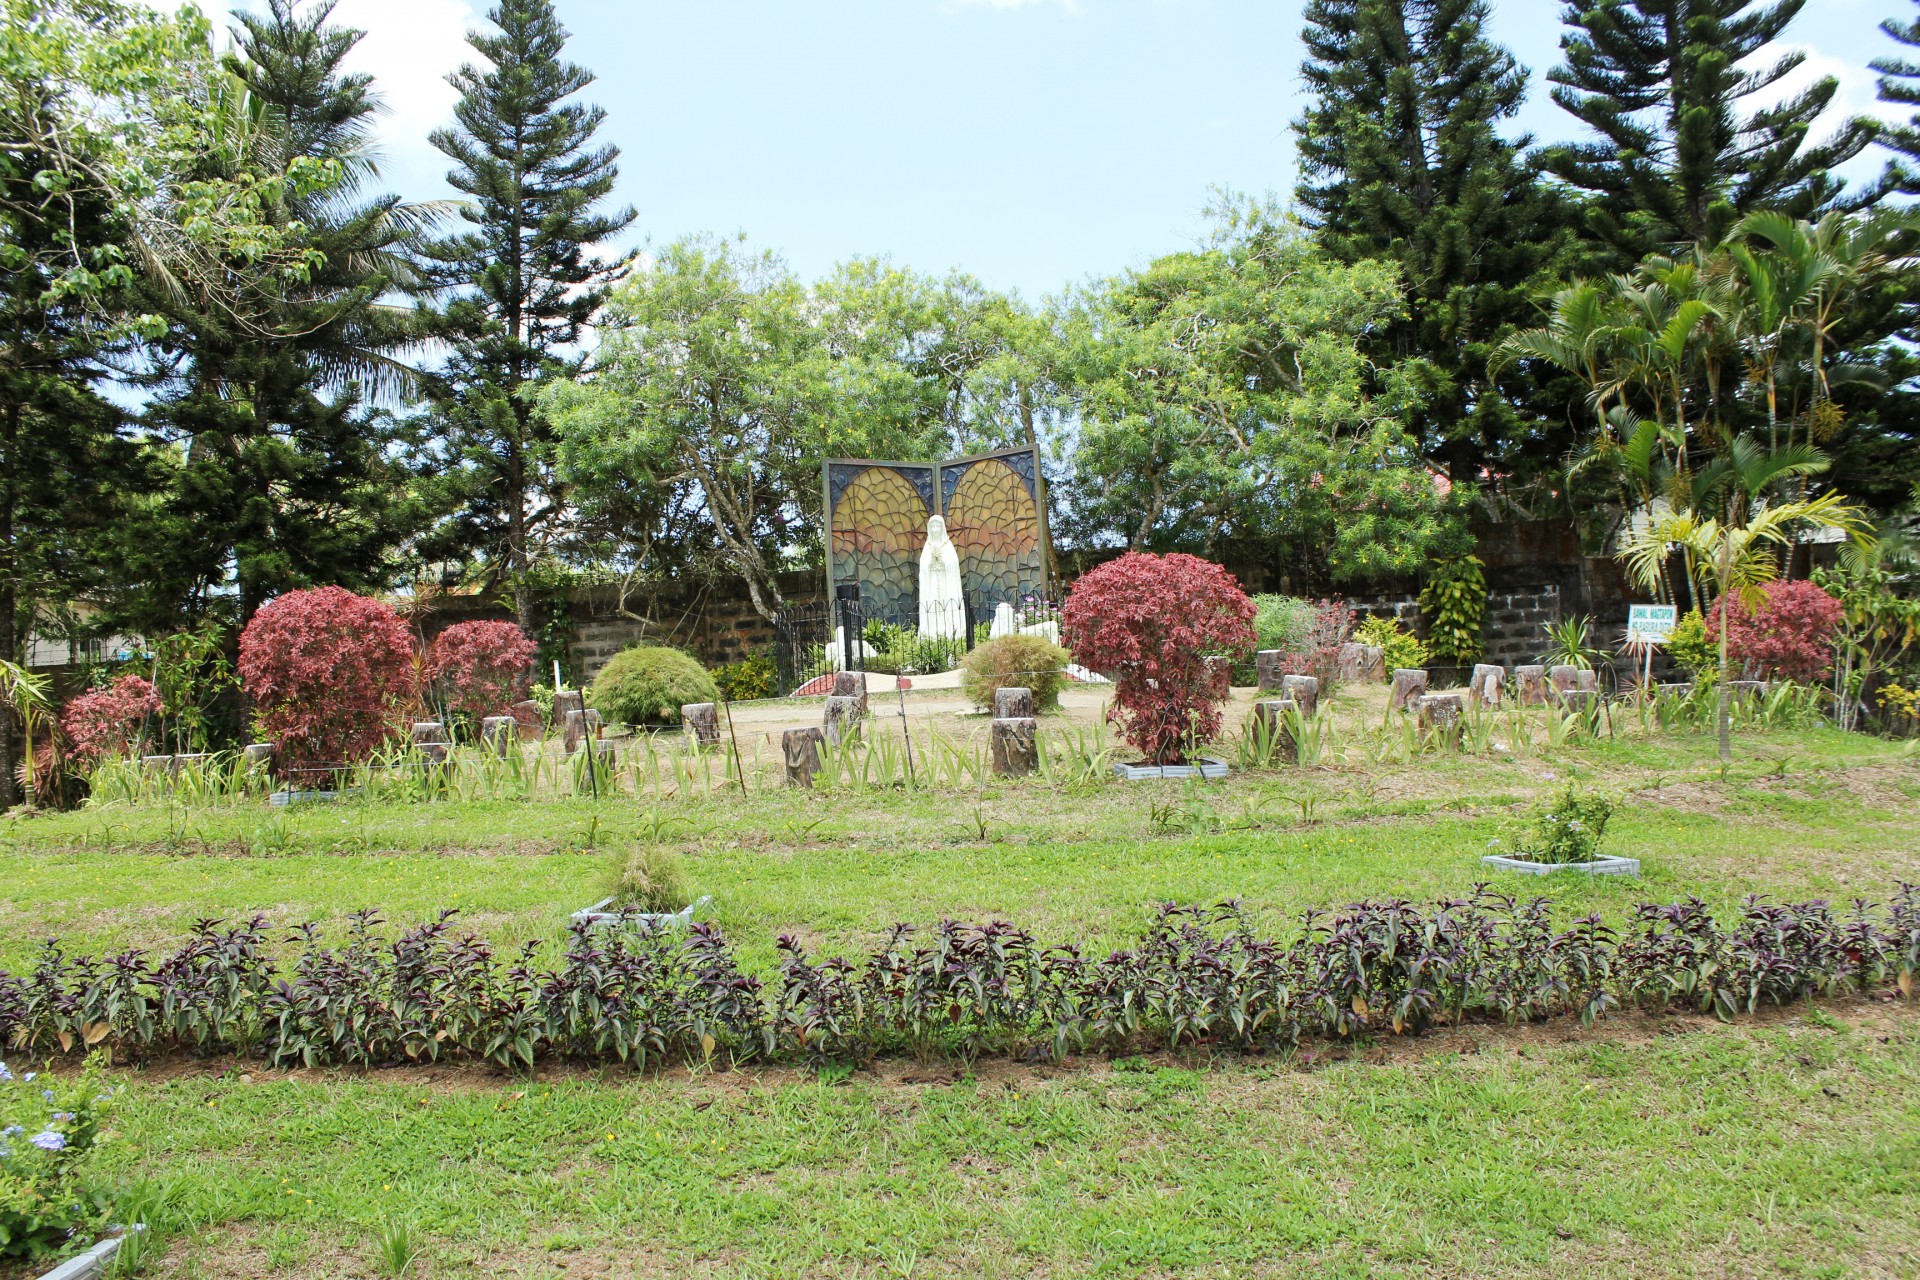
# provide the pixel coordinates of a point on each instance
(9, 598)
(1725, 714)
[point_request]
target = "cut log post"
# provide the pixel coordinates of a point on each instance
(1350, 662)
(1579, 699)
(1745, 689)
(1270, 726)
(1564, 678)
(1304, 691)
(1440, 710)
(577, 728)
(1373, 662)
(801, 748)
(841, 720)
(1266, 669)
(1013, 741)
(702, 723)
(528, 719)
(1489, 680)
(430, 736)
(1012, 702)
(1408, 683)
(1532, 682)
(156, 764)
(568, 700)
(498, 734)
(258, 756)
(850, 684)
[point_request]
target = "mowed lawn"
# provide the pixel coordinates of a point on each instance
(1648, 1145)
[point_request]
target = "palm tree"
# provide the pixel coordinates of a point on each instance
(1736, 556)
(27, 694)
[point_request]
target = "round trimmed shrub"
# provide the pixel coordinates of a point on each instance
(648, 684)
(105, 722)
(327, 672)
(1153, 623)
(480, 668)
(1025, 662)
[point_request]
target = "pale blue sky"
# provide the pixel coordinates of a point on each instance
(1031, 142)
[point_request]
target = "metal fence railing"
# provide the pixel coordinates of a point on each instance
(847, 634)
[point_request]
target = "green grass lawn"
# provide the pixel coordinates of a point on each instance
(1670, 1146)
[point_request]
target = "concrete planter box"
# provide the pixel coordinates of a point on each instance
(601, 912)
(1201, 767)
(94, 1262)
(1609, 866)
(281, 799)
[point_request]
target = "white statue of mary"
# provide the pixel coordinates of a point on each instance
(943, 613)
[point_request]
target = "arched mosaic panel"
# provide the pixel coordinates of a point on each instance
(993, 516)
(879, 524)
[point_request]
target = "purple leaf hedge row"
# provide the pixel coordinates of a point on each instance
(1197, 975)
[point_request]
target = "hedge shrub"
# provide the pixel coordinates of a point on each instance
(1020, 661)
(329, 673)
(648, 684)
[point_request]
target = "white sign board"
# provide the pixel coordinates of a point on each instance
(1650, 623)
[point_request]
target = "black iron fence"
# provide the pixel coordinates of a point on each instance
(844, 634)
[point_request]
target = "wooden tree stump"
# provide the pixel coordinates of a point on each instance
(567, 700)
(1270, 724)
(579, 727)
(498, 734)
(1013, 742)
(1266, 669)
(258, 756)
(842, 719)
(701, 720)
(1564, 678)
(528, 719)
(1408, 683)
(431, 737)
(1745, 689)
(1373, 662)
(1303, 690)
(1440, 710)
(801, 748)
(1011, 702)
(850, 684)
(1532, 682)
(1489, 680)
(1349, 663)
(156, 764)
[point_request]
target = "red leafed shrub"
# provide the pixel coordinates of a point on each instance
(103, 722)
(1319, 652)
(326, 670)
(480, 668)
(1787, 635)
(1152, 622)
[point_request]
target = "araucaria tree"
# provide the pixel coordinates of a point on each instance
(1688, 138)
(282, 477)
(1402, 159)
(1164, 628)
(521, 282)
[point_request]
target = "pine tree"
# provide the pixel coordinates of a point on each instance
(1900, 83)
(524, 280)
(283, 475)
(1402, 159)
(1676, 161)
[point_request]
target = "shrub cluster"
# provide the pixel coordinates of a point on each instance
(1399, 647)
(480, 669)
(1785, 634)
(648, 684)
(105, 722)
(1196, 976)
(1018, 661)
(48, 1127)
(1156, 624)
(327, 671)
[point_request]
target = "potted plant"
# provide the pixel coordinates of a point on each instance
(650, 891)
(1162, 627)
(1565, 836)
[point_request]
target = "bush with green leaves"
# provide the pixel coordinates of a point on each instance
(895, 648)
(1401, 647)
(1282, 622)
(1693, 650)
(750, 678)
(1455, 605)
(1017, 661)
(648, 684)
(48, 1127)
(1568, 830)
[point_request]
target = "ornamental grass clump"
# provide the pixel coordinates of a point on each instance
(653, 880)
(1016, 661)
(328, 673)
(1163, 628)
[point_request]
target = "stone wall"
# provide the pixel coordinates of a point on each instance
(1515, 629)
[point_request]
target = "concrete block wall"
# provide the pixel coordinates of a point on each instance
(1515, 628)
